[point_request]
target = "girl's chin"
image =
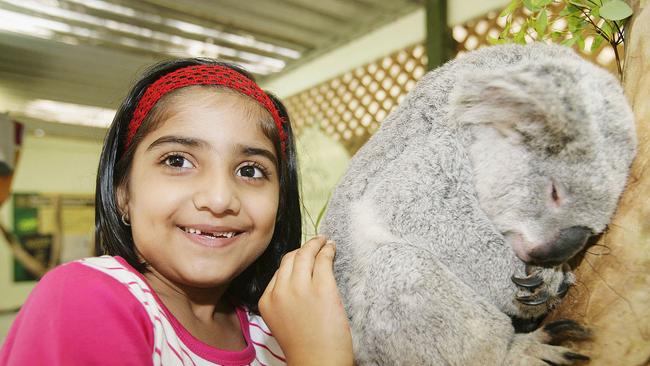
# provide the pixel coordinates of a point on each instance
(206, 280)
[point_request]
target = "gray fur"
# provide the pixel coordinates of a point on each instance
(427, 215)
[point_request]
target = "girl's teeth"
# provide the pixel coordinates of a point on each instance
(217, 235)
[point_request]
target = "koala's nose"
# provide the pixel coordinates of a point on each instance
(568, 243)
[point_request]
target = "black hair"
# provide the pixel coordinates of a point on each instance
(113, 237)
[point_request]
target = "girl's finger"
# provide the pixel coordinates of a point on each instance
(265, 299)
(269, 288)
(286, 267)
(323, 266)
(303, 264)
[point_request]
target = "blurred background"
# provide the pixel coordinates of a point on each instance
(340, 66)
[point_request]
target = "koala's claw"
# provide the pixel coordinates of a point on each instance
(540, 288)
(537, 298)
(561, 330)
(562, 290)
(540, 347)
(576, 356)
(528, 283)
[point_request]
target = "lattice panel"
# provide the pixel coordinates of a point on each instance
(350, 108)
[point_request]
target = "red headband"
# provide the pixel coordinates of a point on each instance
(202, 75)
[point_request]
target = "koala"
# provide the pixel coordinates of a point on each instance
(461, 212)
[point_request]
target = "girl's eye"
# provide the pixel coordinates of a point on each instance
(178, 161)
(251, 171)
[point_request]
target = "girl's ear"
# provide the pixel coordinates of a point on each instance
(122, 197)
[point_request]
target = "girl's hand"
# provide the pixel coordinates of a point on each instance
(303, 309)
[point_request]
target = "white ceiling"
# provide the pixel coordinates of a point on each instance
(88, 52)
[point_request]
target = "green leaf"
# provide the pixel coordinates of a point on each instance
(598, 40)
(615, 10)
(530, 6)
(572, 24)
(322, 211)
(514, 4)
(595, 12)
(541, 23)
(506, 29)
(581, 42)
(555, 36)
(491, 40)
(607, 29)
(569, 42)
(580, 3)
(569, 9)
(520, 37)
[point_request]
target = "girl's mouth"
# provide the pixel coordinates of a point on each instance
(211, 237)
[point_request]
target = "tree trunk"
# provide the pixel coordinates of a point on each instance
(612, 295)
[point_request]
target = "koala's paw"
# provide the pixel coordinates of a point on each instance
(542, 288)
(537, 348)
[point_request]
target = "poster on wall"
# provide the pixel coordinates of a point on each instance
(52, 229)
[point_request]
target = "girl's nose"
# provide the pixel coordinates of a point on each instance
(218, 195)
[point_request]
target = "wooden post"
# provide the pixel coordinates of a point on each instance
(612, 295)
(438, 42)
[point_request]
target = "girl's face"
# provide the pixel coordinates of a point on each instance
(203, 191)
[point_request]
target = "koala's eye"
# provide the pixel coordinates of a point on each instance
(556, 197)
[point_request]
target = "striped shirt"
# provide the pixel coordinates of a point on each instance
(101, 311)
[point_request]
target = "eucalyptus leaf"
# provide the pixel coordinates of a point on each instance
(493, 41)
(506, 29)
(519, 37)
(581, 42)
(514, 4)
(573, 24)
(541, 23)
(607, 29)
(568, 42)
(595, 11)
(595, 45)
(580, 3)
(555, 36)
(569, 9)
(615, 10)
(321, 214)
(530, 6)
(538, 4)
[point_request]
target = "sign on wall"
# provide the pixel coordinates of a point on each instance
(52, 229)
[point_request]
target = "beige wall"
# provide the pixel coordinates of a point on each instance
(48, 165)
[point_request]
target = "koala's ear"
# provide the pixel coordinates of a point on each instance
(539, 105)
(493, 99)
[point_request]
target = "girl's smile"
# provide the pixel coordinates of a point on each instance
(212, 236)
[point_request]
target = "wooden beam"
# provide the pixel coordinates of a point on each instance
(438, 38)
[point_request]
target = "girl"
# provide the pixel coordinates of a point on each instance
(196, 203)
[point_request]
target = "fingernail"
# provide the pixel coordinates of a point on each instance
(330, 242)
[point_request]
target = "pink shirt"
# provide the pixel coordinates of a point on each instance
(101, 311)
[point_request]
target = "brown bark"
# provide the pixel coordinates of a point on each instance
(612, 295)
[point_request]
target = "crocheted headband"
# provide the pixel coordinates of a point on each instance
(202, 75)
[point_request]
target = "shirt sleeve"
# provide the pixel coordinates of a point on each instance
(77, 315)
